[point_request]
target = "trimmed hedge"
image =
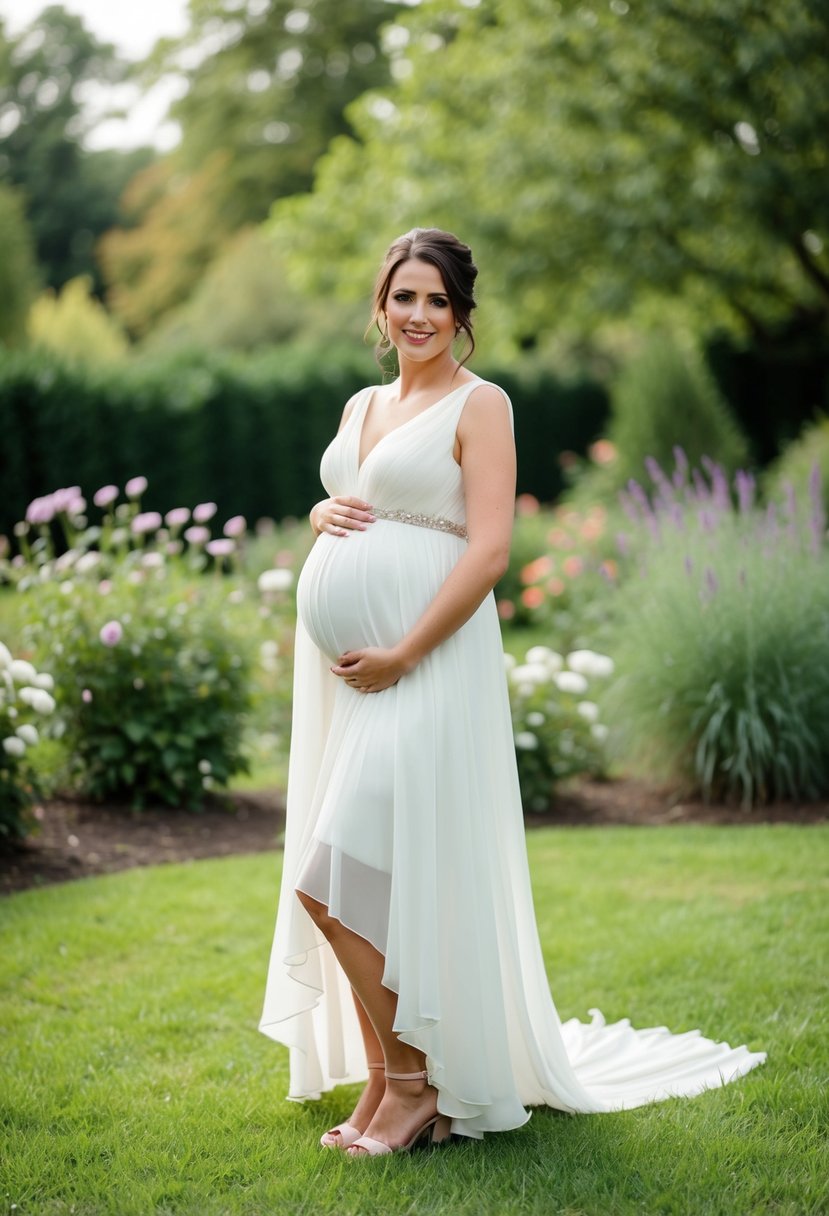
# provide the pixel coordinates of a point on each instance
(245, 432)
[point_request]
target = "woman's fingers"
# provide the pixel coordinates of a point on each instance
(347, 514)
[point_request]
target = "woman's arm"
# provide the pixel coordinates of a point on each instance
(339, 516)
(487, 458)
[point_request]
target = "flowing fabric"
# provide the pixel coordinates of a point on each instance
(404, 818)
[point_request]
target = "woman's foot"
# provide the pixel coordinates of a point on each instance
(406, 1107)
(358, 1121)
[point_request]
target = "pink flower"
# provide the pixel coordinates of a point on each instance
(506, 610)
(537, 569)
(148, 521)
(105, 496)
(69, 499)
(111, 633)
(135, 487)
(220, 548)
(602, 451)
(41, 510)
(235, 526)
(203, 512)
(284, 557)
(178, 517)
(197, 535)
(104, 587)
(573, 565)
(86, 696)
(527, 504)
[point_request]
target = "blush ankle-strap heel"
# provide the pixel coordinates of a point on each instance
(344, 1134)
(436, 1130)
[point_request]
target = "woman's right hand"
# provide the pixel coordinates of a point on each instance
(339, 516)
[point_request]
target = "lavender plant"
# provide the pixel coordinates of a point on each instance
(722, 638)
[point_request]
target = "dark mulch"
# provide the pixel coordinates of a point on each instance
(75, 839)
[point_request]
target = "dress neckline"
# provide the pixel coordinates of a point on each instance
(420, 414)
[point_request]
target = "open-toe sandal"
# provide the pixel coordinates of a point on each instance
(343, 1135)
(434, 1131)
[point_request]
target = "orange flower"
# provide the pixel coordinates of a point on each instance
(559, 538)
(591, 529)
(556, 586)
(532, 597)
(527, 504)
(573, 565)
(602, 451)
(537, 569)
(506, 609)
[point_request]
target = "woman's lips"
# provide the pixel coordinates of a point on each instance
(417, 336)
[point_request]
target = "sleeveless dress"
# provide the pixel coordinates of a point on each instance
(404, 818)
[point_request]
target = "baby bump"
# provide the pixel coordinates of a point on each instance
(349, 593)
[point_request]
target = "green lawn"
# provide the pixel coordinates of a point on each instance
(134, 1080)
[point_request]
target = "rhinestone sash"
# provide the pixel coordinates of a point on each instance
(422, 521)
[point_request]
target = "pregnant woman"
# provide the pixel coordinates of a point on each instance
(406, 950)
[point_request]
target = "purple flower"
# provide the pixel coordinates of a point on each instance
(69, 499)
(622, 543)
(203, 512)
(235, 526)
(148, 521)
(817, 512)
(689, 564)
(681, 473)
(111, 633)
(711, 581)
(105, 496)
(197, 535)
(220, 548)
(135, 487)
(177, 517)
(86, 696)
(744, 483)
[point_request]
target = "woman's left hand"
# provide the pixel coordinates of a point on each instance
(371, 669)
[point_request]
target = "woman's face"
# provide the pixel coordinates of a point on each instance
(419, 316)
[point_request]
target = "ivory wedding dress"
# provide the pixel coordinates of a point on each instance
(404, 818)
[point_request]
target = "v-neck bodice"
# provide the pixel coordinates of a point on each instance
(411, 468)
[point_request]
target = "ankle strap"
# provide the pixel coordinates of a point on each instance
(380, 1065)
(408, 1076)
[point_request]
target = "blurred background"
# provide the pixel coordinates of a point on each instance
(195, 196)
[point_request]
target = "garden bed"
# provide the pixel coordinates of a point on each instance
(76, 839)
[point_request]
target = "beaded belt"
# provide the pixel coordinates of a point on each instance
(422, 521)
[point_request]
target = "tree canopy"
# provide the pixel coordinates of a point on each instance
(600, 159)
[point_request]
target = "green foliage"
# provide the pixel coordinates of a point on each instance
(797, 464)
(556, 727)
(25, 697)
(146, 987)
(71, 194)
(666, 398)
(722, 644)
(76, 326)
(654, 157)
(157, 716)
(18, 273)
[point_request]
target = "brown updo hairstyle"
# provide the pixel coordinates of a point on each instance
(454, 262)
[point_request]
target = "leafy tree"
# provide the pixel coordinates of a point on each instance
(601, 158)
(76, 325)
(18, 273)
(266, 95)
(71, 194)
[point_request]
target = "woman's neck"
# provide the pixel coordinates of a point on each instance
(417, 379)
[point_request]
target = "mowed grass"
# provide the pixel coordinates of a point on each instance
(134, 1080)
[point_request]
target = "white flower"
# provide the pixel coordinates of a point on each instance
(588, 710)
(275, 580)
(87, 561)
(530, 673)
(526, 740)
(5, 656)
(509, 661)
(205, 767)
(27, 733)
(44, 680)
(599, 731)
(67, 588)
(588, 663)
(550, 659)
(535, 718)
(13, 746)
(570, 681)
(21, 671)
(38, 698)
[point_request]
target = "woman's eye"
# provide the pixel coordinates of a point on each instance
(402, 298)
(439, 303)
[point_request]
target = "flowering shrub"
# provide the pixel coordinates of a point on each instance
(152, 652)
(722, 639)
(556, 723)
(25, 694)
